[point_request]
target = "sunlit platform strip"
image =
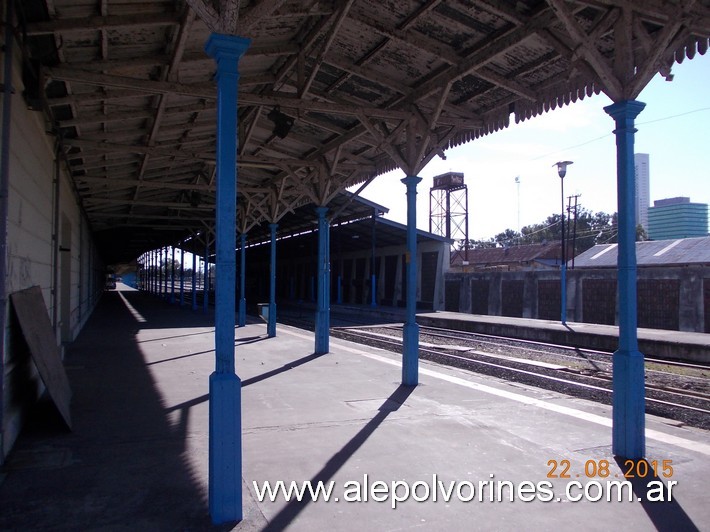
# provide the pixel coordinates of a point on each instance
(138, 456)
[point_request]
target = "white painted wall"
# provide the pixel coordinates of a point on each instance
(31, 257)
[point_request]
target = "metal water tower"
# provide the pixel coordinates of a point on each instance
(448, 210)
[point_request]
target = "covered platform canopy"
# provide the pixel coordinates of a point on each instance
(331, 94)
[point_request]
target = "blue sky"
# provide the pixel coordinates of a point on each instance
(674, 129)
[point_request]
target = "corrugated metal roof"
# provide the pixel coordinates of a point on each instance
(510, 255)
(650, 253)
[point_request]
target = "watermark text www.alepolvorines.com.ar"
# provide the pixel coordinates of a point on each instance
(482, 491)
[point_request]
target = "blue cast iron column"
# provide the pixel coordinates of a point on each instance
(156, 273)
(206, 278)
(628, 438)
(167, 285)
(410, 359)
(194, 280)
(373, 273)
(172, 277)
(182, 273)
(225, 444)
(323, 296)
(242, 280)
(271, 323)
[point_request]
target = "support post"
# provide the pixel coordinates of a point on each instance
(172, 276)
(563, 296)
(206, 278)
(563, 264)
(323, 296)
(182, 273)
(271, 323)
(628, 438)
(225, 443)
(410, 358)
(194, 280)
(373, 274)
(166, 287)
(242, 280)
(157, 278)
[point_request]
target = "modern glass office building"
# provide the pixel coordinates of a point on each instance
(677, 218)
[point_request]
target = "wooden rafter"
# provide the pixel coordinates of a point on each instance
(370, 87)
(587, 49)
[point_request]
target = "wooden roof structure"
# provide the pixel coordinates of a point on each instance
(331, 95)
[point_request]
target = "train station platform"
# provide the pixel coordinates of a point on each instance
(137, 456)
(679, 345)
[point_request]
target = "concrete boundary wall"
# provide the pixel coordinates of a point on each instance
(673, 298)
(45, 234)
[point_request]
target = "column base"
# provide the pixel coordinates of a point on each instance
(271, 324)
(628, 429)
(322, 332)
(225, 448)
(410, 355)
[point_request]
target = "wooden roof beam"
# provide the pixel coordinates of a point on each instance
(587, 48)
(654, 60)
(424, 8)
(328, 41)
(96, 203)
(482, 55)
(207, 91)
(123, 183)
(101, 22)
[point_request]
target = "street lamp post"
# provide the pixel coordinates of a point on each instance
(562, 171)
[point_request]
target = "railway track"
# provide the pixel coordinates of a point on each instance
(676, 390)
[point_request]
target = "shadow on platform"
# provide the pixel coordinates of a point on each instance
(124, 466)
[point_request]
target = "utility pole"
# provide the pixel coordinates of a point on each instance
(574, 231)
(517, 183)
(569, 228)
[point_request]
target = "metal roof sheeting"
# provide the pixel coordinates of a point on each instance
(650, 253)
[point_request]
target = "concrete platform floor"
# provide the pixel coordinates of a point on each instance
(137, 456)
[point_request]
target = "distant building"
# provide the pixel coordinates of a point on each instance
(665, 253)
(643, 196)
(513, 258)
(673, 218)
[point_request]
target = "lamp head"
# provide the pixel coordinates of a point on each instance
(282, 122)
(562, 167)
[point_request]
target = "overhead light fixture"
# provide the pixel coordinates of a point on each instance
(282, 123)
(562, 168)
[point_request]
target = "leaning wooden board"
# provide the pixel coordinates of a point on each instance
(37, 331)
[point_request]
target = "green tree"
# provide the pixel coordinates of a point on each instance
(588, 229)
